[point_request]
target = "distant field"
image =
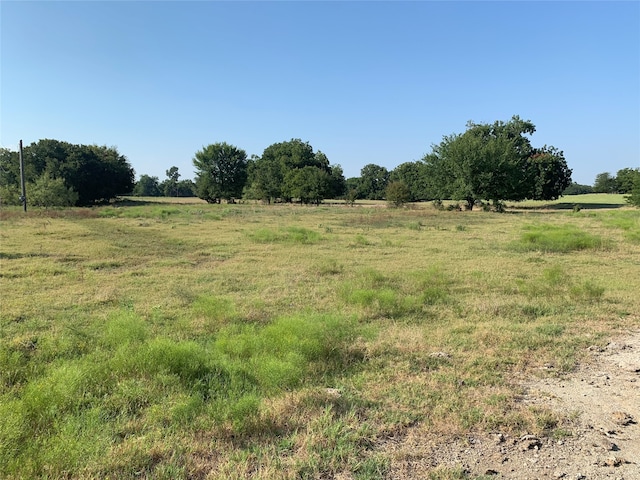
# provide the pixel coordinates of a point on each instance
(178, 200)
(591, 200)
(175, 339)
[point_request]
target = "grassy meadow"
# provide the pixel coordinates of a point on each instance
(186, 340)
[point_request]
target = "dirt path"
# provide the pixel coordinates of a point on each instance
(601, 402)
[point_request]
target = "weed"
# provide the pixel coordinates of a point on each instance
(216, 311)
(329, 267)
(361, 241)
(587, 291)
(554, 283)
(288, 235)
(558, 239)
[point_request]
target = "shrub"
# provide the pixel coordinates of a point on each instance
(397, 194)
(51, 192)
(634, 197)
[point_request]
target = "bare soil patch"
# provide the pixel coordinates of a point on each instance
(600, 406)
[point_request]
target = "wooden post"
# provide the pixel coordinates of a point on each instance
(23, 197)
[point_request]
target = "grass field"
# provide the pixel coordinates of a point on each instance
(186, 340)
(570, 202)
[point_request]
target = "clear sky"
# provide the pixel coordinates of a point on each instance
(364, 82)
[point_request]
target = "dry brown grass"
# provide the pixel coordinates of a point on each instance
(450, 316)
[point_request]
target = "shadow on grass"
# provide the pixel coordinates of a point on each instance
(130, 200)
(569, 206)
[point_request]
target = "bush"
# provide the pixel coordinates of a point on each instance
(397, 194)
(634, 197)
(50, 192)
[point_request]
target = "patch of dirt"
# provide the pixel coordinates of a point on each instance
(601, 402)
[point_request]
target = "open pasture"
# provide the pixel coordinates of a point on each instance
(188, 340)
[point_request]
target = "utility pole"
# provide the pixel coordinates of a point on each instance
(23, 197)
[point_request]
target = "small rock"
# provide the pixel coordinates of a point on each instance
(622, 418)
(606, 444)
(629, 367)
(500, 438)
(333, 392)
(559, 474)
(491, 471)
(613, 461)
(440, 355)
(530, 442)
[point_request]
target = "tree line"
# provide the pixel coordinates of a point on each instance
(63, 174)
(488, 162)
(172, 186)
(625, 181)
(492, 163)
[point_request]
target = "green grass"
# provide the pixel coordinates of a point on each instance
(181, 340)
(569, 202)
(559, 239)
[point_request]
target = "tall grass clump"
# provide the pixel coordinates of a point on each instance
(395, 296)
(298, 235)
(555, 284)
(140, 382)
(628, 221)
(558, 239)
(291, 350)
(215, 310)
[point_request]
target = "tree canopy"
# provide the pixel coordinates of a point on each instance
(414, 176)
(147, 186)
(95, 173)
(634, 187)
(221, 172)
(621, 182)
(496, 162)
(373, 182)
(291, 169)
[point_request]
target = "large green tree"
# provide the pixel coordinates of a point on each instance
(625, 179)
(95, 173)
(273, 175)
(605, 183)
(308, 184)
(373, 182)
(549, 175)
(496, 162)
(221, 172)
(337, 182)
(147, 186)
(170, 185)
(276, 162)
(414, 175)
(634, 192)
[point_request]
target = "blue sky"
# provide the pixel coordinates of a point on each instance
(364, 82)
